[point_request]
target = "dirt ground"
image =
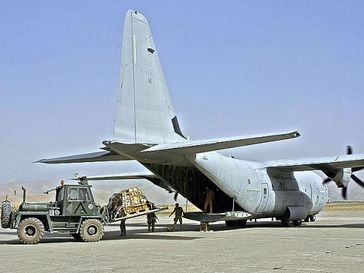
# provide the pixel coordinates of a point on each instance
(334, 243)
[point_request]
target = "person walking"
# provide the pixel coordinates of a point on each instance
(178, 211)
(151, 220)
(122, 228)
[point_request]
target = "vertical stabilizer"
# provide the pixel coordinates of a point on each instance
(144, 111)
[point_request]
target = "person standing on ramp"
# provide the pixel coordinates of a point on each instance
(210, 196)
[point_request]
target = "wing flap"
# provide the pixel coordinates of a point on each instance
(200, 146)
(89, 157)
(319, 163)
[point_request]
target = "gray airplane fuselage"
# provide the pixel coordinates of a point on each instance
(245, 185)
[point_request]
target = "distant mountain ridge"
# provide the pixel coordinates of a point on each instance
(103, 190)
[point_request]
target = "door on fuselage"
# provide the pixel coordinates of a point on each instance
(263, 197)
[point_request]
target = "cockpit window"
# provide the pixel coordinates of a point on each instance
(72, 194)
(84, 194)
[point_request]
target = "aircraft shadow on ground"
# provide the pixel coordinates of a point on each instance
(278, 224)
(162, 234)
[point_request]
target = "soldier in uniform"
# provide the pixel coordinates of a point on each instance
(178, 215)
(151, 220)
(210, 196)
(122, 228)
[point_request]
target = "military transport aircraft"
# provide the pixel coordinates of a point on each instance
(147, 130)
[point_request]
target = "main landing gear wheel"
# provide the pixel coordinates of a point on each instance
(30, 231)
(297, 223)
(291, 223)
(92, 230)
(310, 218)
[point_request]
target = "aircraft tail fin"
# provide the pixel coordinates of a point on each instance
(144, 111)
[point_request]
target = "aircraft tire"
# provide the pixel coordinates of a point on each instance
(297, 223)
(92, 230)
(312, 218)
(30, 231)
(5, 214)
(287, 223)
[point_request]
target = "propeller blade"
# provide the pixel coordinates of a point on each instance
(175, 196)
(357, 180)
(327, 180)
(349, 150)
(344, 192)
(357, 169)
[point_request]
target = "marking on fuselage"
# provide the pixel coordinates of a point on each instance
(253, 189)
(134, 49)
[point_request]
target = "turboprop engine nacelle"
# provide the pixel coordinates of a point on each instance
(342, 177)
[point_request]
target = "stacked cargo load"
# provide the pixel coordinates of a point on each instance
(127, 202)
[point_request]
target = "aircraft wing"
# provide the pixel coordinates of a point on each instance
(89, 157)
(200, 146)
(319, 163)
(136, 175)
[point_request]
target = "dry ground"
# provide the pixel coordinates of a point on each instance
(334, 243)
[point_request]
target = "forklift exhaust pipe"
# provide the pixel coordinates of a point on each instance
(24, 193)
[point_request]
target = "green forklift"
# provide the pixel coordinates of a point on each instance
(74, 212)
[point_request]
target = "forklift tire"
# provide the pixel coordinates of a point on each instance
(30, 231)
(5, 214)
(91, 230)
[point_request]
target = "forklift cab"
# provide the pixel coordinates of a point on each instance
(76, 200)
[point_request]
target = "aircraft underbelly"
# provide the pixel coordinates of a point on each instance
(241, 185)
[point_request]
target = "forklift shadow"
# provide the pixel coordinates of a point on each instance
(109, 236)
(157, 235)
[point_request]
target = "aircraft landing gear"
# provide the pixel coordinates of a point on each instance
(310, 218)
(291, 223)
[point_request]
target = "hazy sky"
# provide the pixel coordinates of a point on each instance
(233, 68)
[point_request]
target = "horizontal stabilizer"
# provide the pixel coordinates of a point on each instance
(200, 146)
(89, 157)
(135, 175)
(122, 176)
(319, 163)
